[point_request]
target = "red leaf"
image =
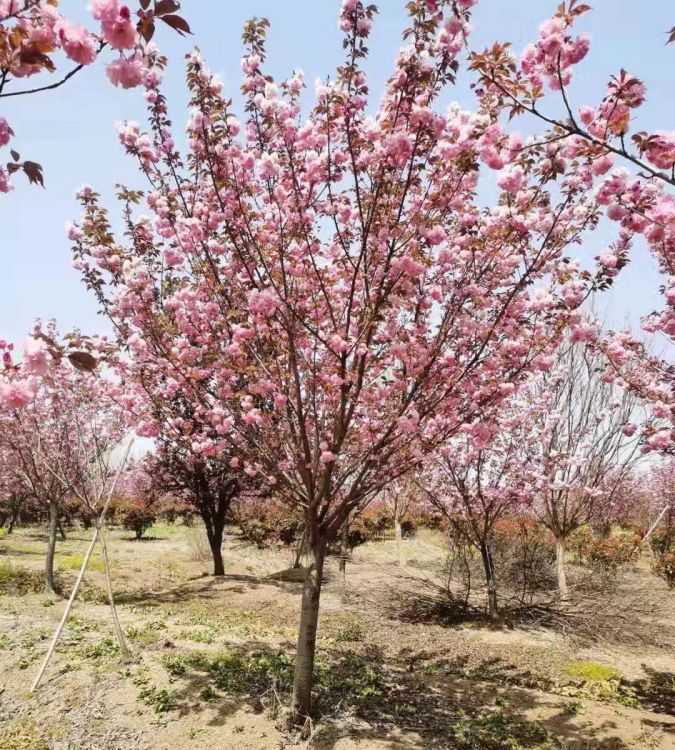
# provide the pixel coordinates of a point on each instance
(146, 27)
(34, 173)
(144, 4)
(177, 23)
(83, 361)
(15, 154)
(162, 7)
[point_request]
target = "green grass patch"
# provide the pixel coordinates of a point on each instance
(592, 671)
(17, 580)
(202, 635)
(74, 562)
(22, 736)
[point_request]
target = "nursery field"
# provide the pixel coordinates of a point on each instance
(212, 657)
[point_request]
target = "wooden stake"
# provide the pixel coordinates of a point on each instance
(80, 577)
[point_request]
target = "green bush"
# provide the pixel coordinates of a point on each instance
(135, 516)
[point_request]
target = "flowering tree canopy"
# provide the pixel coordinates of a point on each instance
(327, 292)
(51, 436)
(633, 174)
(32, 32)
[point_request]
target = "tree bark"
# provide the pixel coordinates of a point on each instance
(344, 547)
(560, 568)
(215, 529)
(62, 531)
(300, 550)
(309, 618)
(399, 539)
(51, 547)
(493, 607)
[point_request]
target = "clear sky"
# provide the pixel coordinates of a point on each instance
(70, 131)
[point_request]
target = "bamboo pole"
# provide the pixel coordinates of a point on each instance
(80, 577)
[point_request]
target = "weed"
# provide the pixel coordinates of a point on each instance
(22, 736)
(209, 694)
(198, 636)
(573, 708)
(599, 682)
(350, 632)
(499, 731)
(17, 580)
(161, 700)
(99, 652)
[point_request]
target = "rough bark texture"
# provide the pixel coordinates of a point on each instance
(213, 514)
(215, 536)
(399, 539)
(493, 607)
(309, 618)
(51, 547)
(300, 550)
(560, 568)
(344, 547)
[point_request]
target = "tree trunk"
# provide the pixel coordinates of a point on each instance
(399, 539)
(214, 532)
(51, 547)
(62, 531)
(300, 550)
(309, 618)
(493, 608)
(560, 568)
(344, 547)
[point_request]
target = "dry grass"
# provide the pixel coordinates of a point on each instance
(213, 659)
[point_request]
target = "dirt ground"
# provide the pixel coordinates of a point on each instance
(213, 658)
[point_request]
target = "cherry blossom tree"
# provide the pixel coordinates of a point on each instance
(476, 483)
(33, 32)
(206, 485)
(637, 194)
(400, 498)
(333, 298)
(589, 443)
(50, 436)
(14, 490)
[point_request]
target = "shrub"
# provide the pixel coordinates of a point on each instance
(580, 542)
(368, 526)
(665, 568)
(523, 553)
(135, 516)
(613, 551)
(266, 522)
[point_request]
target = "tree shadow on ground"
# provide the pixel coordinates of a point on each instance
(394, 704)
(212, 587)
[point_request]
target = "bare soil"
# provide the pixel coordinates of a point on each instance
(212, 658)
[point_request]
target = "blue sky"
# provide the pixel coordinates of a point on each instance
(70, 131)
